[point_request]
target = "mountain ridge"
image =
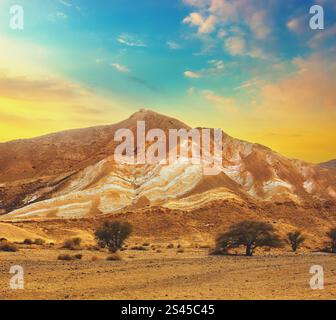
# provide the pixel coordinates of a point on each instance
(72, 174)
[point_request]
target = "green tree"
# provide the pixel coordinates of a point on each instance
(113, 234)
(251, 234)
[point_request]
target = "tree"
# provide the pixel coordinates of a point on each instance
(295, 239)
(113, 234)
(251, 234)
(332, 235)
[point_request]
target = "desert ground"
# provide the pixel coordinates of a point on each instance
(160, 272)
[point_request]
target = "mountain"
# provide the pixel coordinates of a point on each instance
(329, 164)
(72, 174)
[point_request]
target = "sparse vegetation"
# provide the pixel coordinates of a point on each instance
(114, 257)
(113, 234)
(332, 240)
(94, 258)
(250, 234)
(8, 247)
(65, 257)
(72, 244)
(170, 246)
(295, 239)
(28, 241)
(39, 242)
(68, 257)
(180, 250)
(139, 248)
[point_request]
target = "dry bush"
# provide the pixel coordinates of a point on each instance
(8, 247)
(139, 248)
(170, 246)
(158, 251)
(72, 244)
(94, 258)
(78, 256)
(65, 257)
(39, 242)
(146, 244)
(28, 241)
(114, 257)
(180, 250)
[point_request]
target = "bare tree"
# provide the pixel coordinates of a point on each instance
(251, 234)
(295, 239)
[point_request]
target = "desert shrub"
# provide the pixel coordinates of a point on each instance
(28, 241)
(94, 258)
(158, 251)
(139, 248)
(180, 250)
(72, 244)
(113, 234)
(331, 244)
(78, 256)
(146, 244)
(113, 257)
(217, 252)
(65, 257)
(8, 247)
(170, 246)
(295, 239)
(250, 234)
(39, 242)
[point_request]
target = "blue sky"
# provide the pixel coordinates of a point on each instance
(209, 62)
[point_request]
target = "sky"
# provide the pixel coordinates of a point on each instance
(253, 68)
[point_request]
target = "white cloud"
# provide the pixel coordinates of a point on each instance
(191, 74)
(205, 25)
(120, 67)
(65, 3)
(173, 45)
(130, 41)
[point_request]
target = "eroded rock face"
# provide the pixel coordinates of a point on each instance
(73, 174)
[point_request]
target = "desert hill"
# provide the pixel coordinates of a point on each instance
(329, 164)
(72, 174)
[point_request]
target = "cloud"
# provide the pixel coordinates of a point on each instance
(323, 38)
(58, 16)
(297, 25)
(226, 17)
(204, 25)
(65, 3)
(38, 89)
(120, 67)
(310, 91)
(218, 100)
(192, 74)
(130, 41)
(173, 45)
(235, 46)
